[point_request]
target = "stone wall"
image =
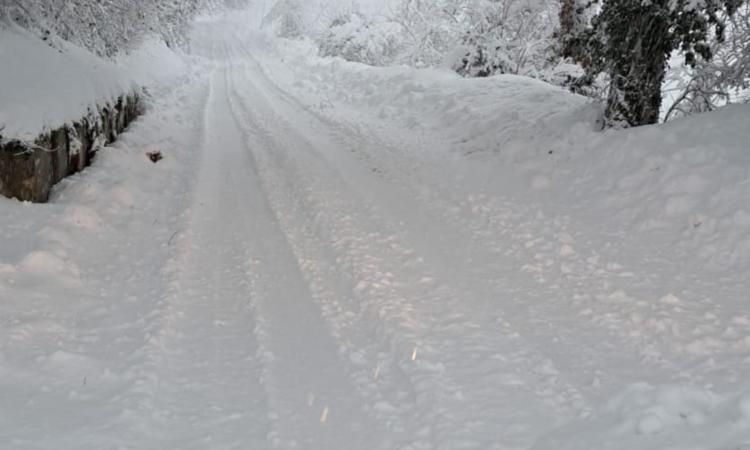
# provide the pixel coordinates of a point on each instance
(29, 170)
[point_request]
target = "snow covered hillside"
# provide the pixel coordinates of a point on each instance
(336, 256)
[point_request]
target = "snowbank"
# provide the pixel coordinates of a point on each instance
(473, 112)
(153, 63)
(74, 325)
(68, 103)
(44, 85)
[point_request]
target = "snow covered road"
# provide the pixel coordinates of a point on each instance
(359, 343)
(304, 275)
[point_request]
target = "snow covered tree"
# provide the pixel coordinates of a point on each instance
(478, 37)
(106, 27)
(354, 37)
(288, 18)
(632, 40)
(507, 36)
(723, 79)
(573, 22)
(430, 29)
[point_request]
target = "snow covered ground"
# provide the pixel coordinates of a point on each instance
(333, 256)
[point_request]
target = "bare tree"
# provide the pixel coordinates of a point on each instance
(723, 79)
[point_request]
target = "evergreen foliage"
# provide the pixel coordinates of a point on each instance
(632, 40)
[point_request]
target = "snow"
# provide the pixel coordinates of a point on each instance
(49, 84)
(669, 417)
(337, 256)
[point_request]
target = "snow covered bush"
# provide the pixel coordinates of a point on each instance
(102, 27)
(431, 30)
(479, 38)
(287, 18)
(106, 27)
(723, 79)
(507, 36)
(475, 38)
(574, 78)
(354, 37)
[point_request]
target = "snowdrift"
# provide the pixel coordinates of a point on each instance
(44, 85)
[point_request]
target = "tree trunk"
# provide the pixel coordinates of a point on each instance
(638, 71)
(572, 23)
